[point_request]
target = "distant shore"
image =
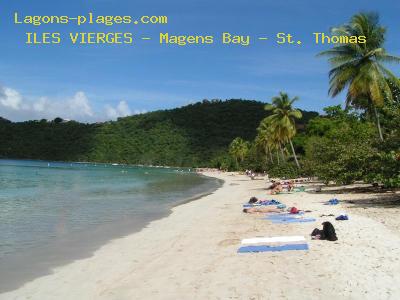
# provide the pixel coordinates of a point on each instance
(192, 253)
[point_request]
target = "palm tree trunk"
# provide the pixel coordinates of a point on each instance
(270, 155)
(294, 154)
(378, 123)
(277, 156)
(283, 155)
(266, 154)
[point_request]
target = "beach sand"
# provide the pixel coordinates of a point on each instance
(192, 254)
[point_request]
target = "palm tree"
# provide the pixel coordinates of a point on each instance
(238, 149)
(262, 141)
(270, 138)
(283, 120)
(359, 67)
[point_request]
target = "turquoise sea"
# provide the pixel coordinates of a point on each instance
(53, 212)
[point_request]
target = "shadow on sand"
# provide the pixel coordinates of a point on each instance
(377, 196)
(377, 201)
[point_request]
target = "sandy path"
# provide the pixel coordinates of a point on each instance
(192, 255)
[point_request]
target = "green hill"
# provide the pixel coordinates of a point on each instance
(188, 136)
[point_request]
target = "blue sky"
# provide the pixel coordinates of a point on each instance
(94, 83)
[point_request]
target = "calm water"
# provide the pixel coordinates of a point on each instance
(52, 212)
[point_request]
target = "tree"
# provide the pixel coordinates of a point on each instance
(269, 137)
(238, 149)
(359, 67)
(283, 120)
(262, 141)
(58, 120)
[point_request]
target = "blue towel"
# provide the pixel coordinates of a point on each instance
(267, 202)
(264, 248)
(332, 202)
(282, 216)
(292, 220)
(273, 201)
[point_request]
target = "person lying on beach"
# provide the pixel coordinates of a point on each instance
(290, 186)
(253, 200)
(277, 189)
(259, 209)
(273, 184)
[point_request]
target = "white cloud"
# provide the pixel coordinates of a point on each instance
(40, 105)
(15, 107)
(122, 110)
(77, 106)
(139, 111)
(79, 103)
(10, 98)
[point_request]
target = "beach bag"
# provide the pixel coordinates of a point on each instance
(294, 210)
(329, 231)
(318, 234)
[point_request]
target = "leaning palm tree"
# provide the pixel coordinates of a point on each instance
(360, 67)
(283, 119)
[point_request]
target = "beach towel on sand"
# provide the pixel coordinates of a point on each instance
(295, 190)
(264, 248)
(281, 193)
(282, 216)
(292, 220)
(262, 203)
(274, 239)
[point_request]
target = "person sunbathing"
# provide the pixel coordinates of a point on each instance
(261, 209)
(272, 185)
(254, 200)
(290, 186)
(277, 189)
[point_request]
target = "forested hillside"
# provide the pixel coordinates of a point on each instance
(192, 135)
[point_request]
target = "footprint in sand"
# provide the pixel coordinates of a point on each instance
(229, 242)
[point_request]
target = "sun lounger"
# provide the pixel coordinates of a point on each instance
(275, 239)
(265, 248)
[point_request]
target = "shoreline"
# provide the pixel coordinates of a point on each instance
(192, 252)
(98, 162)
(65, 250)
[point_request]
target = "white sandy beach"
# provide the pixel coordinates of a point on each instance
(192, 254)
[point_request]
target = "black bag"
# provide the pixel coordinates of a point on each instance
(329, 231)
